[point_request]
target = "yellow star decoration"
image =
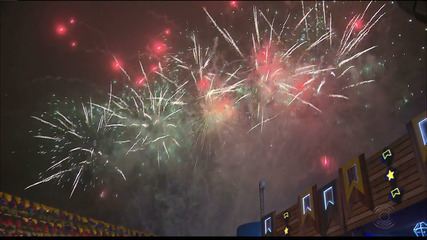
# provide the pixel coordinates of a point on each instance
(286, 230)
(390, 175)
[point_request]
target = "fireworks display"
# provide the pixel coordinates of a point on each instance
(79, 143)
(289, 62)
(155, 121)
(298, 63)
(165, 116)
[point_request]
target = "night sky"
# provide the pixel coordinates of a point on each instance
(36, 64)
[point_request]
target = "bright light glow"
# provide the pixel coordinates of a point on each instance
(154, 68)
(61, 30)
(328, 197)
(140, 81)
(116, 65)
(423, 129)
(358, 25)
(159, 48)
(73, 44)
(203, 85)
(233, 4)
(420, 229)
(267, 225)
(306, 204)
(325, 161)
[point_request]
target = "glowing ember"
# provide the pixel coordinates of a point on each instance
(154, 68)
(116, 65)
(203, 85)
(73, 44)
(61, 30)
(72, 20)
(159, 48)
(140, 81)
(325, 161)
(233, 4)
(358, 25)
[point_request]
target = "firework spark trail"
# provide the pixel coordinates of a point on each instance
(303, 19)
(255, 51)
(225, 34)
(271, 25)
(283, 28)
(309, 104)
(330, 29)
(300, 69)
(318, 41)
(140, 100)
(256, 23)
(269, 41)
(324, 14)
(142, 70)
(121, 68)
(241, 98)
(338, 96)
(320, 86)
(85, 113)
(58, 163)
(313, 72)
(295, 97)
(355, 56)
(167, 79)
(47, 137)
(264, 121)
(76, 181)
(292, 49)
(121, 173)
(309, 81)
(66, 119)
(75, 134)
(108, 110)
(345, 71)
(46, 122)
(232, 75)
(366, 8)
(358, 84)
(56, 175)
(137, 141)
(286, 87)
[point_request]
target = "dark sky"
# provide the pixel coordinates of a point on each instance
(36, 64)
